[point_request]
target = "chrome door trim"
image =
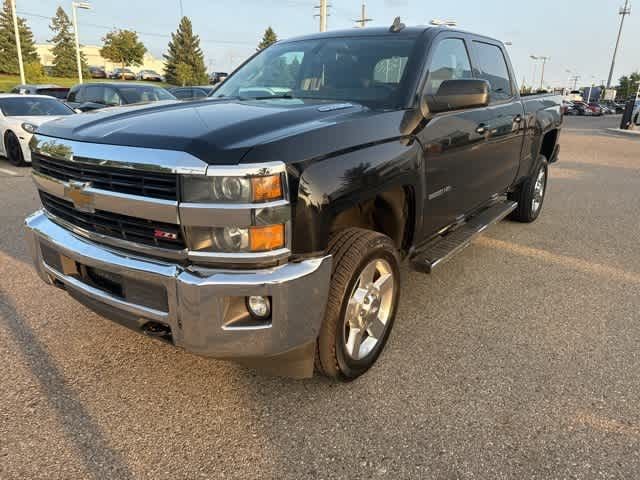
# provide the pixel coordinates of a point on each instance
(118, 156)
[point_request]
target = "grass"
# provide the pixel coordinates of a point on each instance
(7, 82)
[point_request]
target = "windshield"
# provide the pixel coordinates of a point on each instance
(144, 94)
(367, 70)
(32, 106)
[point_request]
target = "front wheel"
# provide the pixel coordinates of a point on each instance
(362, 304)
(530, 194)
(13, 149)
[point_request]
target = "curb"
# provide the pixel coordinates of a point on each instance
(625, 133)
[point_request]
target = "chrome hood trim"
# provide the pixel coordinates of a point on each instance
(164, 161)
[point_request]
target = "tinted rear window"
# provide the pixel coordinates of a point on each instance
(144, 94)
(54, 92)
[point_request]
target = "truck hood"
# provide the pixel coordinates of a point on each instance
(224, 131)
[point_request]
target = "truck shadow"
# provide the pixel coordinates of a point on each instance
(99, 458)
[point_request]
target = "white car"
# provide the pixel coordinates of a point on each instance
(20, 116)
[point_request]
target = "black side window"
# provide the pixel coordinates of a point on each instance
(492, 67)
(94, 94)
(182, 93)
(450, 61)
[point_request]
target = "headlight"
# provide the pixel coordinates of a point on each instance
(236, 240)
(29, 127)
(204, 189)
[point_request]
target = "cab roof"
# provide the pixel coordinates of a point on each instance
(362, 32)
(409, 31)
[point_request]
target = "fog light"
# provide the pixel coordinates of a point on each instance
(259, 307)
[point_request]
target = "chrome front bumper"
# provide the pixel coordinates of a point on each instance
(201, 304)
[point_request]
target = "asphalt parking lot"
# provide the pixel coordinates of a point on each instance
(517, 359)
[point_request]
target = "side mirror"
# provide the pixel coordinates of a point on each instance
(457, 95)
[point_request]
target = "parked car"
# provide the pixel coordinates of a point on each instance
(93, 96)
(614, 107)
(149, 75)
(268, 225)
(596, 109)
(97, 72)
(191, 93)
(580, 108)
(42, 89)
(20, 116)
(122, 74)
(217, 77)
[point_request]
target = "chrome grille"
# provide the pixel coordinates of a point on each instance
(115, 225)
(122, 180)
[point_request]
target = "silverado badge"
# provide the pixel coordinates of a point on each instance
(77, 193)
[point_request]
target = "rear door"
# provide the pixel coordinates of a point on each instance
(454, 142)
(505, 132)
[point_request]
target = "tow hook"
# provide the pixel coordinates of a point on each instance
(157, 330)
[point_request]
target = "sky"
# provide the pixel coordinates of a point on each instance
(577, 35)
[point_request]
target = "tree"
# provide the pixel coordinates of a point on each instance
(64, 48)
(268, 38)
(628, 85)
(33, 72)
(184, 48)
(123, 47)
(8, 50)
(184, 74)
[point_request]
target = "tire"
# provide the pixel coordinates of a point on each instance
(530, 194)
(347, 349)
(13, 149)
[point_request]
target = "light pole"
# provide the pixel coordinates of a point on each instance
(623, 12)
(544, 60)
(74, 7)
(568, 82)
(18, 46)
(590, 89)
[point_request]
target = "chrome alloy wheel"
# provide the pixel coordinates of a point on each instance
(538, 191)
(369, 309)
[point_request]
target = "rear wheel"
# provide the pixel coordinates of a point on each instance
(13, 149)
(530, 194)
(363, 299)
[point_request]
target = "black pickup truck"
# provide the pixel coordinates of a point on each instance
(267, 224)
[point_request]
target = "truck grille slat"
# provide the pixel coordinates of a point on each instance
(114, 224)
(122, 180)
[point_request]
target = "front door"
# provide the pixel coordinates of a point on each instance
(454, 142)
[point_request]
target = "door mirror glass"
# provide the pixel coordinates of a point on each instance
(457, 95)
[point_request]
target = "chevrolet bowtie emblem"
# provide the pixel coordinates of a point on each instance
(76, 192)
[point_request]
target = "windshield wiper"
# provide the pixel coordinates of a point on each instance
(269, 97)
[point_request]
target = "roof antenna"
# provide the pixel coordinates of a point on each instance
(396, 26)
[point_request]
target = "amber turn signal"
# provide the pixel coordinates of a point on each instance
(266, 188)
(266, 238)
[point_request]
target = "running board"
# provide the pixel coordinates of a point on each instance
(445, 247)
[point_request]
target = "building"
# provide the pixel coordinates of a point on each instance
(94, 59)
